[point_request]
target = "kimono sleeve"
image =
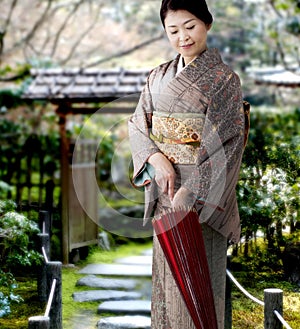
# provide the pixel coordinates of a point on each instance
(222, 145)
(142, 147)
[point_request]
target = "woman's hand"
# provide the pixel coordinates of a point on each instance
(164, 173)
(183, 198)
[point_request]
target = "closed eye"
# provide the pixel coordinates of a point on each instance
(191, 27)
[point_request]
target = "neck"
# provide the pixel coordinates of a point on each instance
(187, 60)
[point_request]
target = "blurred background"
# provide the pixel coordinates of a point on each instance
(259, 39)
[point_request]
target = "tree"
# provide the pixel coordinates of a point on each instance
(72, 32)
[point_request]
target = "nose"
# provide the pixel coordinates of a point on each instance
(183, 36)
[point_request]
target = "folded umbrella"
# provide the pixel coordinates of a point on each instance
(180, 236)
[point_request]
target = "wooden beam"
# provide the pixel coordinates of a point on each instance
(102, 110)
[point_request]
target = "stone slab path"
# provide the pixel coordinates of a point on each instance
(136, 260)
(101, 295)
(125, 322)
(107, 283)
(123, 290)
(129, 307)
(117, 270)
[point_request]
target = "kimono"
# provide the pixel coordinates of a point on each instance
(195, 117)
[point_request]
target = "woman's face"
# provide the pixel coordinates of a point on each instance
(187, 33)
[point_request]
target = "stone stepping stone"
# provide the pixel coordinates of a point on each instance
(138, 307)
(104, 295)
(107, 283)
(135, 260)
(117, 270)
(147, 252)
(125, 322)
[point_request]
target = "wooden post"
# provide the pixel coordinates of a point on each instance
(64, 177)
(44, 241)
(44, 221)
(42, 272)
(39, 322)
(273, 299)
(54, 272)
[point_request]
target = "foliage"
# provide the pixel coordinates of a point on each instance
(25, 151)
(102, 129)
(248, 314)
(12, 97)
(9, 99)
(16, 250)
(264, 32)
(268, 190)
(8, 284)
(30, 305)
(4, 189)
(17, 238)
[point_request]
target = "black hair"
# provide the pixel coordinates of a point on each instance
(196, 7)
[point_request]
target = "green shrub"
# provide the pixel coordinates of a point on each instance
(7, 296)
(17, 234)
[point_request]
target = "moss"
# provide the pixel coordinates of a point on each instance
(121, 251)
(20, 312)
(248, 314)
(71, 308)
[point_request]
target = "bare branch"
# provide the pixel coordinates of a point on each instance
(126, 52)
(31, 47)
(52, 14)
(34, 29)
(81, 36)
(64, 24)
(281, 53)
(8, 19)
(6, 24)
(273, 6)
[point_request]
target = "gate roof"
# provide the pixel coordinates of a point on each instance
(276, 76)
(84, 85)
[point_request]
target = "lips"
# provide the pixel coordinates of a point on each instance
(186, 46)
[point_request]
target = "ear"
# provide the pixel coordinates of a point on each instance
(208, 27)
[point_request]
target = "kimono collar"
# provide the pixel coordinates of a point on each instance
(180, 65)
(172, 80)
(205, 61)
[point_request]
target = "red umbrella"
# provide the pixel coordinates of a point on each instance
(180, 236)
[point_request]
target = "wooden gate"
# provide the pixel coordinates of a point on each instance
(83, 196)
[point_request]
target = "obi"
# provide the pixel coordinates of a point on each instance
(178, 135)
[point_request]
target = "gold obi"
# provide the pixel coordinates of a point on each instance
(178, 135)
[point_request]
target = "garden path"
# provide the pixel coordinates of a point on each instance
(123, 290)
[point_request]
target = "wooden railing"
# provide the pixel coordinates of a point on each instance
(49, 284)
(272, 304)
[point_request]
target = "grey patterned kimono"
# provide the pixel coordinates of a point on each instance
(209, 88)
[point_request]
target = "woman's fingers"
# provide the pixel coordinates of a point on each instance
(164, 173)
(171, 188)
(183, 199)
(165, 180)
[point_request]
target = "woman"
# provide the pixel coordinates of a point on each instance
(187, 140)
